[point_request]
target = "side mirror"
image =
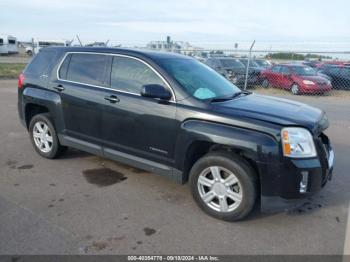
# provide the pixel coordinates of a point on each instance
(155, 91)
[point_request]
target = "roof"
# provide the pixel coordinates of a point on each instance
(292, 64)
(137, 52)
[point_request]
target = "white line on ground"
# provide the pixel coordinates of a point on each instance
(347, 239)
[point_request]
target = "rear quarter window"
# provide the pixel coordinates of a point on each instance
(41, 63)
(62, 73)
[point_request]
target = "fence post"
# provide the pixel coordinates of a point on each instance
(247, 69)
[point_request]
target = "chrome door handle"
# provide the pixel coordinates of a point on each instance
(112, 99)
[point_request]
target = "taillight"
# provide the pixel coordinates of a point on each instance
(21, 78)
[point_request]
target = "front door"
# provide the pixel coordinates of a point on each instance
(136, 125)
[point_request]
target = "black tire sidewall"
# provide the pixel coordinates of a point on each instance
(265, 85)
(55, 143)
(297, 87)
(243, 172)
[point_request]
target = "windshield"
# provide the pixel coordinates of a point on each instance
(199, 80)
(231, 63)
(304, 70)
(263, 63)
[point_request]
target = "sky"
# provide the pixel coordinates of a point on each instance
(210, 24)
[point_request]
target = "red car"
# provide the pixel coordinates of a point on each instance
(299, 79)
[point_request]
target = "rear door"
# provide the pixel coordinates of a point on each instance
(284, 78)
(82, 79)
(274, 76)
(136, 125)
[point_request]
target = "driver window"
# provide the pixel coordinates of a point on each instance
(130, 75)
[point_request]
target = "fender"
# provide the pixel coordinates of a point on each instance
(48, 99)
(255, 145)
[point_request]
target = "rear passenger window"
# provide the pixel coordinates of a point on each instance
(130, 75)
(285, 70)
(276, 69)
(88, 69)
(1, 41)
(41, 63)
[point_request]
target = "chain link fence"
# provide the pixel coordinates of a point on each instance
(286, 72)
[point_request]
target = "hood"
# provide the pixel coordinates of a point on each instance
(316, 78)
(274, 110)
(237, 70)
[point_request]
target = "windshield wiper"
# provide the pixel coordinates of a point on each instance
(235, 95)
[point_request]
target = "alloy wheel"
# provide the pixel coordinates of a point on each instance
(42, 137)
(220, 189)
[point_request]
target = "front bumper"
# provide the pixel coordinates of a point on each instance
(315, 89)
(285, 185)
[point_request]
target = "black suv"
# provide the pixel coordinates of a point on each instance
(172, 115)
(339, 75)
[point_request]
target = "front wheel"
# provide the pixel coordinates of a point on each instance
(295, 89)
(223, 185)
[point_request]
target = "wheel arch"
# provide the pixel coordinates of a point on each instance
(37, 101)
(32, 109)
(204, 137)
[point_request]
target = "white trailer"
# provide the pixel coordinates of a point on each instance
(37, 44)
(8, 45)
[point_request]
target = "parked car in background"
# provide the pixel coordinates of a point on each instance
(255, 69)
(263, 63)
(231, 68)
(313, 64)
(299, 79)
(339, 75)
(8, 45)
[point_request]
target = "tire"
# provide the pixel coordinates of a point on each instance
(52, 148)
(295, 89)
(265, 83)
(30, 53)
(242, 186)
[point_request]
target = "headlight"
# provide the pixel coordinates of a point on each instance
(297, 143)
(308, 82)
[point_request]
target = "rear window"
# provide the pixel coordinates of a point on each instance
(41, 63)
(88, 69)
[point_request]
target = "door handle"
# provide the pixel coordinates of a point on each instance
(59, 88)
(112, 99)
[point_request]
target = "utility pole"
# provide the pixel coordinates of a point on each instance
(247, 69)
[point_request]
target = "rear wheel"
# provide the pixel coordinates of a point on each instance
(295, 89)
(223, 185)
(265, 83)
(43, 136)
